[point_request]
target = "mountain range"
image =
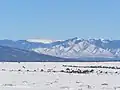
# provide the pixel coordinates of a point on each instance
(8, 54)
(72, 49)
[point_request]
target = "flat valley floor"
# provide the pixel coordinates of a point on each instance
(60, 76)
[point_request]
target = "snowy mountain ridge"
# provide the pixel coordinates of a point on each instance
(70, 48)
(77, 48)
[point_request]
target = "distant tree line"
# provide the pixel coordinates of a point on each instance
(108, 67)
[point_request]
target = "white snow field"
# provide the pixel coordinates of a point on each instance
(57, 76)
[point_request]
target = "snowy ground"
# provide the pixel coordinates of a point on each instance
(48, 76)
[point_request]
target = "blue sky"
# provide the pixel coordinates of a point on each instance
(59, 19)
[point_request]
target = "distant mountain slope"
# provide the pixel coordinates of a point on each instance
(74, 48)
(22, 44)
(14, 54)
(77, 48)
(71, 48)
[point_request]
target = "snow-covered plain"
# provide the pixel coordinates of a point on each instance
(48, 76)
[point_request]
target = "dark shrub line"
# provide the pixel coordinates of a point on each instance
(108, 67)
